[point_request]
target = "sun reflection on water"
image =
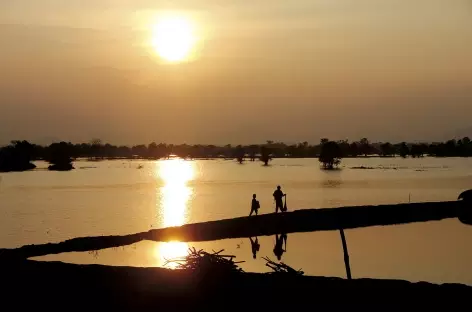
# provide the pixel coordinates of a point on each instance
(175, 195)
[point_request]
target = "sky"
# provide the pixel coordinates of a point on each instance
(261, 70)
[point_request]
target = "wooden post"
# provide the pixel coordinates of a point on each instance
(346, 254)
(465, 212)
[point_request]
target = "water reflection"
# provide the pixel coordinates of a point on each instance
(175, 195)
(255, 246)
(279, 249)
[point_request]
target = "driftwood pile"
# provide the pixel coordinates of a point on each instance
(282, 268)
(207, 262)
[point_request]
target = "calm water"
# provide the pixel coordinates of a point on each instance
(115, 197)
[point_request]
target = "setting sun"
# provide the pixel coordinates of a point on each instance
(173, 38)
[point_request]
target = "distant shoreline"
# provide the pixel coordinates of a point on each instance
(98, 150)
(19, 154)
(232, 159)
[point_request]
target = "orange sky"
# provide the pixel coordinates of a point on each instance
(392, 69)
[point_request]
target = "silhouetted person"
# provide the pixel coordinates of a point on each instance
(254, 205)
(278, 195)
(279, 245)
(255, 246)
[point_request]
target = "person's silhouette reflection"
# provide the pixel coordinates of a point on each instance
(255, 246)
(279, 245)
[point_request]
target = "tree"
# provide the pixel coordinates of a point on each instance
(467, 147)
(354, 149)
(463, 147)
(416, 151)
(330, 155)
(265, 155)
(124, 151)
(365, 147)
(96, 149)
(387, 149)
(60, 156)
(403, 150)
(153, 151)
(344, 146)
(17, 156)
(139, 150)
(239, 153)
(451, 147)
(252, 152)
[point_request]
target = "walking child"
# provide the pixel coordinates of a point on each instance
(254, 205)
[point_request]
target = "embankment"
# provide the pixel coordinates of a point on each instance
(306, 220)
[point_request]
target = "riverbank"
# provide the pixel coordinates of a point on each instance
(61, 286)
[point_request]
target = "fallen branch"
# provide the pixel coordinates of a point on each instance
(282, 267)
(202, 260)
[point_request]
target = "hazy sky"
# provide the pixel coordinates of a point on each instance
(264, 70)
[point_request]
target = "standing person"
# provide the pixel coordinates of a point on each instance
(254, 205)
(278, 195)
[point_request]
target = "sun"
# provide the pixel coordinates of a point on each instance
(173, 38)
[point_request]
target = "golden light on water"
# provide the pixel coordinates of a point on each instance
(175, 195)
(173, 37)
(171, 250)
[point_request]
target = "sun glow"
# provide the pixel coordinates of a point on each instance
(175, 195)
(173, 38)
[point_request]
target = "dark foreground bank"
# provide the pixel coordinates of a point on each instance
(68, 287)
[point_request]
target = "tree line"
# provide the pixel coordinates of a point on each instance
(19, 153)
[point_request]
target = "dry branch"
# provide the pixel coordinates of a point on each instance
(282, 267)
(202, 260)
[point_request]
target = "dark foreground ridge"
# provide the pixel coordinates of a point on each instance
(307, 220)
(59, 286)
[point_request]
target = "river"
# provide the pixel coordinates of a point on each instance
(122, 196)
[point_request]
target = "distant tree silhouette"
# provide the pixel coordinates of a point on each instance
(464, 147)
(345, 147)
(387, 149)
(96, 149)
(139, 150)
(418, 150)
(451, 146)
(404, 150)
(155, 151)
(17, 156)
(330, 155)
(239, 154)
(123, 152)
(365, 147)
(415, 151)
(60, 156)
(253, 151)
(354, 149)
(265, 155)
